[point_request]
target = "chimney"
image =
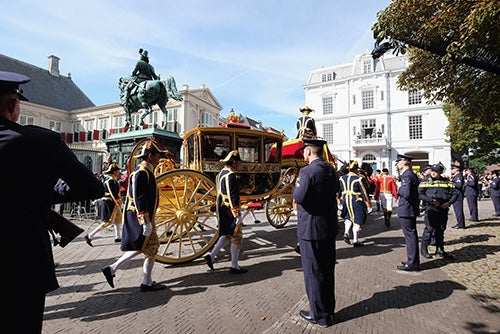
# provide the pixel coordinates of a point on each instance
(54, 65)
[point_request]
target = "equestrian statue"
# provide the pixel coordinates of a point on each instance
(143, 89)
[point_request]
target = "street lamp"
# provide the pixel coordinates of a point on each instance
(465, 159)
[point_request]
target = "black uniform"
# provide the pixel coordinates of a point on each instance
(408, 210)
(442, 190)
(32, 160)
(458, 205)
(317, 226)
(472, 194)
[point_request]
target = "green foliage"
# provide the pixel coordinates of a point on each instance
(463, 30)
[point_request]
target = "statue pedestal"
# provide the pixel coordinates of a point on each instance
(121, 144)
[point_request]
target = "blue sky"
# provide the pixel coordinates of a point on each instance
(255, 56)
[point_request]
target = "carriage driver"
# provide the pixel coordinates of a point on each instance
(143, 71)
(306, 127)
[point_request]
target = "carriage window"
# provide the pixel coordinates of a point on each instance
(216, 147)
(190, 149)
(249, 148)
(271, 150)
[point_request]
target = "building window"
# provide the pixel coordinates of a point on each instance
(381, 95)
(367, 99)
(368, 128)
(367, 66)
(26, 120)
(55, 126)
(328, 133)
(207, 119)
(415, 127)
(414, 97)
(103, 123)
(328, 76)
(118, 121)
(327, 105)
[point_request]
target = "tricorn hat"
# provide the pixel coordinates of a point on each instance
(112, 168)
(306, 109)
(353, 164)
(10, 81)
(150, 146)
(231, 157)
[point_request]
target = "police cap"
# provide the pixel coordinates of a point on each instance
(313, 142)
(404, 157)
(10, 81)
(437, 168)
(456, 166)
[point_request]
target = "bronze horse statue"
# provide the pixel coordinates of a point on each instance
(145, 95)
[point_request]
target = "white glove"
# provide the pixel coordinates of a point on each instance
(147, 229)
(239, 220)
(340, 206)
(370, 210)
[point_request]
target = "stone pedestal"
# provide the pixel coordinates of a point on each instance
(121, 144)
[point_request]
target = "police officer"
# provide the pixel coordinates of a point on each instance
(306, 127)
(408, 211)
(33, 161)
(458, 205)
(315, 196)
(495, 191)
(439, 193)
(228, 213)
(472, 193)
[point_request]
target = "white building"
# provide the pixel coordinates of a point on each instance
(363, 116)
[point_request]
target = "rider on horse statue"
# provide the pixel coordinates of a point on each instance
(143, 71)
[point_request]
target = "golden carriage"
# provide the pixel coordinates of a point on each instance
(186, 219)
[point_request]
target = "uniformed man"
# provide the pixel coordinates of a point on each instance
(228, 213)
(471, 193)
(306, 127)
(495, 191)
(439, 193)
(111, 213)
(386, 191)
(315, 197)
(408, 211)
(355, 203)
(458, 205)
(37, 170)
(139, 229)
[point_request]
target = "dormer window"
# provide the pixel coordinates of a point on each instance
(367, 66)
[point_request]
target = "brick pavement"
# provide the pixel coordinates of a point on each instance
(371, 295)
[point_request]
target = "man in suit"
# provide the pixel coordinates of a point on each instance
(315, 195)
(458, 206)
(37, 170)
(472, 193)
(408, 211)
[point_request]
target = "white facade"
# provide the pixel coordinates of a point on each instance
(85, 130)
(363, 116)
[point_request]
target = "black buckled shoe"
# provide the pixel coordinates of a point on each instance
(238, 270)
(208, 260)
(358, 244)
(118, 240)
(109, 276)
(88, 240)
(346, 239)
(153, 287)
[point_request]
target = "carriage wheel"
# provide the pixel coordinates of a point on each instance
(279, 207)
(186, 221)
(278, 210)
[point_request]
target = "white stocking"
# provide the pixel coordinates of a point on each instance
(147, 270)
(355, 231)
(235, 254)
(347, 226)
(218, 245)
(124, 258)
